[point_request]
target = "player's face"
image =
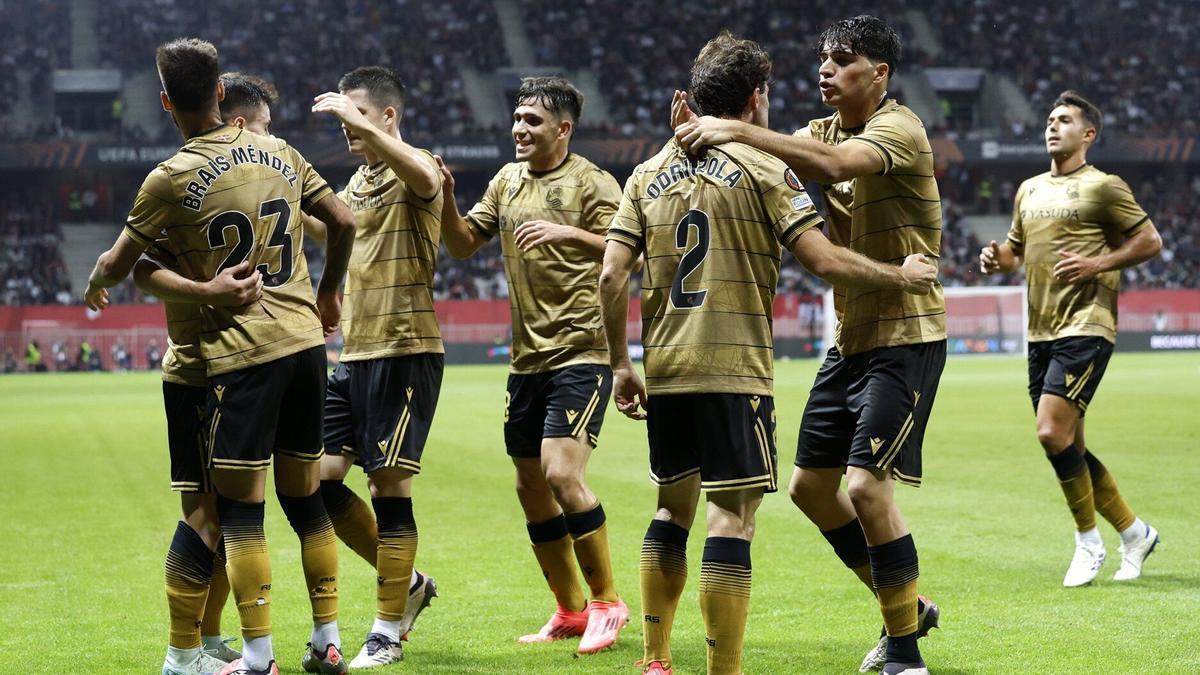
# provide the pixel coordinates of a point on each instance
(844, 77)
(1066, 131)
(374, 114)
(536, 131)
(762, 112)
(258, 121)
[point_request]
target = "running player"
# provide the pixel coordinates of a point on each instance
(1075, 228)
(380, 400)
(226, 198)
(711, 230)
(869, 406)
(550, 209)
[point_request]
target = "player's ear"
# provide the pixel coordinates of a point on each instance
(391, 116)
(565, 127)
(166, 102)
(882, 72)
(220, 91)
(239, 122)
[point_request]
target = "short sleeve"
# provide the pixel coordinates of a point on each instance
(153, 209)
(628, 225)
(313, 188)
(601, 198)
(485, 215)
(1016, 231)
(788, 206)
(893, 137)
(1121, 210)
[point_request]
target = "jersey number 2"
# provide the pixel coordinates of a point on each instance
(692, 259)
(245, 240)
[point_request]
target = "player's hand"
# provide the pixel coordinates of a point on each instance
(329, 306)
(96, 297)
(533, 233)
(341, 107)
(1073, 268)
(918, 274)
(989, 258)
(447, 178)
(235, 286)
(681, 112)
(704, 131)
(628, 392)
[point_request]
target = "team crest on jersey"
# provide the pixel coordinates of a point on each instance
(1073, 190)
(554, 198)
(512, 190)
(791, 180)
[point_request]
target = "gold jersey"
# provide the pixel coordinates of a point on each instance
(388, 304)
(553, 291)
(711, 230)
(1086, 211)
(182, 362)
(228, 196)
(887, 217)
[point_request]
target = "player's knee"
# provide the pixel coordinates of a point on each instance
(1053, 437)
(565, 483)
(867, 496)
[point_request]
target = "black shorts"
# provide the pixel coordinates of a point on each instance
(380, 410)
(564, 403)
(273, 407)
(186, 426)
(870, 410)
(729, 439)
(1069, 367)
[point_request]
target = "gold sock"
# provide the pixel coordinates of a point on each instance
(555, 554)
(1076, 484)
(894, 571)
(188, 572)
(352, 518)
(218, 593)
(725, 601)
(397, 554)
(589, 530)
(318, 552)
(863, 572)
(663, 574)
(1107, 497)
(248, 564)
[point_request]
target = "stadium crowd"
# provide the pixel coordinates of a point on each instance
(279, 43)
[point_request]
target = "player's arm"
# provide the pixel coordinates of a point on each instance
(1134, 250)
(313, 227)
(628, 390)
(810, 159)
(462, 240)
(339, 242)
(111, 267)
(411, 165)
(233, 287)
(842, 267)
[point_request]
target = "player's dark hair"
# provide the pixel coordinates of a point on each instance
(556, 94)
(383, 86)
(244, 94)
(1091, 112)
(726, 73)
(189, 70)
(864, 34)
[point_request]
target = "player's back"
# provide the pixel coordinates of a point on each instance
(711, 230)
(230, 196)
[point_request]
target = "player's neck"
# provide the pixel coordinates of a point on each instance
(549, 162)
(854, 114)
(194, 124)
(1068, 164)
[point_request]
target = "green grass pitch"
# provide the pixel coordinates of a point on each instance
(86, 516)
